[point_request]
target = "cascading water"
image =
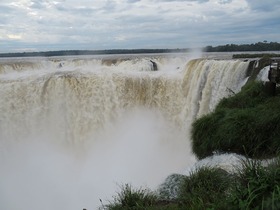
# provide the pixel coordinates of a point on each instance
(72, 129)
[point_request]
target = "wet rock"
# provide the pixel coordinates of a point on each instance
(155, 67)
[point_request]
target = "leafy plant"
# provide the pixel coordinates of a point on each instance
(129, 198)
(257, 186)
(205, 188)
(247, 124)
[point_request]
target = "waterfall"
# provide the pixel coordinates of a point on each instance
(73, 127)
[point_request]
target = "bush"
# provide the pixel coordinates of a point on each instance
(250, 95)
(129, 198)
(205, 188)
(247, 124)
(253, 186)
(257, 187)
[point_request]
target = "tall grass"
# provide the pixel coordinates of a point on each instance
(129, 198)
(257, 187)
(247, 123)
(205, 188)
(253, 186)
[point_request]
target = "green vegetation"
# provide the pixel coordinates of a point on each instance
(138, 199)
(257, 187)
(247, 124)
(253, 186)
(129, 198)
(204, 189)
(260, 46)
(89, 52)
(255, 55)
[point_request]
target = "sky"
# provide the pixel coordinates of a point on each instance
(43, 25)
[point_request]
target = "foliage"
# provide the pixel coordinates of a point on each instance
(259, 46)
(250, 95)
(89, 52)
(205, 188)
(247, 124)
(257, 55)
(253, 186)
(257, 187)
(129, 198)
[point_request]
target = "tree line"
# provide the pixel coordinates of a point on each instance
(89, 52)
(260, 46)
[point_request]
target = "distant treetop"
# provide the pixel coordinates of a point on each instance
(260, 46)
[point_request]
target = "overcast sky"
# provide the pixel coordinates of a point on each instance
(39, 25)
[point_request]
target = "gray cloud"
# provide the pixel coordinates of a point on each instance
(266, 6)
(38, 4)
(71, 24)
(5, 9)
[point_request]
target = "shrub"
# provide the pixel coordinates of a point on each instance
(250, 95)
(253, 186)
(247, 124)
(205, 188)
(257, 187)
(129, 198)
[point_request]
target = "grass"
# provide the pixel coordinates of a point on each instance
(247, 124)
(257, 187)
(204, 189)
(129, 198)
(253, 186)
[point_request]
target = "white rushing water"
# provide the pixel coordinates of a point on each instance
(72, 129)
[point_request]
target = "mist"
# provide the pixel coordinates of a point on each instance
(140, 148)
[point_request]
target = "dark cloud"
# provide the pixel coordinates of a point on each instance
(261, 5)
(61, 24)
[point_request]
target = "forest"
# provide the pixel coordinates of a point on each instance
(259, 46)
